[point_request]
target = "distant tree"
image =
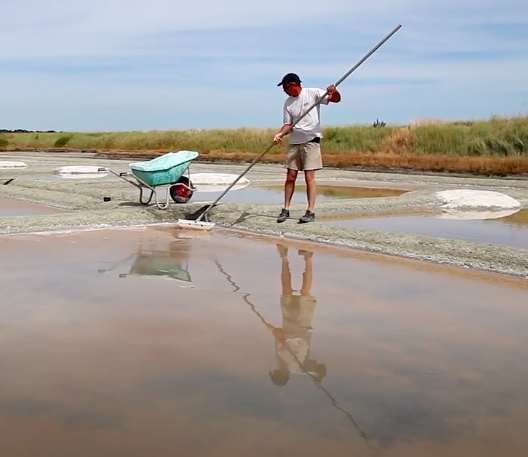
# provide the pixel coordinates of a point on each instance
(377, 124)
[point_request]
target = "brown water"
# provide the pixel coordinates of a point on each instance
(506, 231)
(275, 194)
(12, 207)
(139, 343)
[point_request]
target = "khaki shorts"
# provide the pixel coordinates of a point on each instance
(303, 157)
(298, 309)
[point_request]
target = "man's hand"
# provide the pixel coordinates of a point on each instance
(285, 130)
(333, 94)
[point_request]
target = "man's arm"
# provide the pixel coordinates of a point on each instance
(287, 123)
(282, 132)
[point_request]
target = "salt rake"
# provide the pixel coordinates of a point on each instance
(202, 222)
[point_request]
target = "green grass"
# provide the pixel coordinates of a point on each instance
(3, 143)
(499, 137)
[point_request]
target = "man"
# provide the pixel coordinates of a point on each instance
(304, 153)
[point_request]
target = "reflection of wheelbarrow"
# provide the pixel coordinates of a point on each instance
(158, 264)
(167, 169)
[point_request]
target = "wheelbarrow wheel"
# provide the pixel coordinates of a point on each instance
(180, 194)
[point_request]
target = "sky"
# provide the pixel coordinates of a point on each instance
(116, 65)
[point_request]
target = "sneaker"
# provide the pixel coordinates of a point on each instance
(308, 217)
(283, 251)
(304, 253)
(285, 214)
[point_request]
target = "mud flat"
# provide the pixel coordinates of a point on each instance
(85, 200)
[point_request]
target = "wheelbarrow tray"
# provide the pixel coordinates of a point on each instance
(166, 169)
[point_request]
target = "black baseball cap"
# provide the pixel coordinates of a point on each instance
(290, 78)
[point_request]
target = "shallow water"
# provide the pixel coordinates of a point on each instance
(275, 194)
(11, 207)
(507, 231)
(140, 343)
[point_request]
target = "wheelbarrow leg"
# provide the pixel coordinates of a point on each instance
(152, 192)
(163, 205)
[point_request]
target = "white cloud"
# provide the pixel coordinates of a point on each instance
(102, 27)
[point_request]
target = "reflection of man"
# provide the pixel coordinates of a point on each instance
(292, 341)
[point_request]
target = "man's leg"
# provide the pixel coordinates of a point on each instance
(311, 189)
(289, 187)
(293, 164)
(312, 162)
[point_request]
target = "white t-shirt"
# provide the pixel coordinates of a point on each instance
(296, 355)
(310, 125)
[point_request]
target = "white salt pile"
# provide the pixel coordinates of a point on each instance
(476, 204)
(471, 199)
(8, 165)
(77, 169)
(80, 172)
(217, 182)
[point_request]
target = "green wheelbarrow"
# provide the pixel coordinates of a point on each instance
(166, 170)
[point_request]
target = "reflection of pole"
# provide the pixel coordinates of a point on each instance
(235, 287)
(244, 296)
(317, 384)
(117, 264)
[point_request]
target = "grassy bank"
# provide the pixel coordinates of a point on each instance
(498, 146)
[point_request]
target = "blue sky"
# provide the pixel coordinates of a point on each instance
(160, 64)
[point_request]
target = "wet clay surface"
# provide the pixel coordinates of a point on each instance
(139, 343)
(507, 231)
(12, 207)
